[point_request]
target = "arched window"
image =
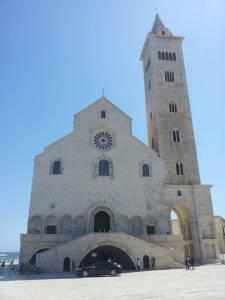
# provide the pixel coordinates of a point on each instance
(66, 225)
(171, 76)
(171, 56)
(57, 167)
(123, 224)
(175, 107)
(179, 168)
(50, 225)
(176, 135)
(35, 225)
(80, 225)
(137, 225)
(145, 170)
(174, 56)
(166, 76)
(167, 56)
(163, 55)
(179, 193)
(159, 55)
(103, 114)
(172, 107)
(103, 167)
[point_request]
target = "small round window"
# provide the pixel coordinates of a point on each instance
(103, 140)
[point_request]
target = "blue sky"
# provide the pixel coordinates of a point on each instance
(56, 56)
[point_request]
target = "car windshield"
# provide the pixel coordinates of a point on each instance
(101, 264)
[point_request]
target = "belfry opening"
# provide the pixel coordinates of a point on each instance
(101, 222)
(106, 253)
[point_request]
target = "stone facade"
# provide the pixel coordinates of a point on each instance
(220, 233)
(99, 187)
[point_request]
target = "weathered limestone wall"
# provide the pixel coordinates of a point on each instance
(77, 249)
(220, 233)
(173, 243)
(158, 97)
(31, 243)
(78, 191)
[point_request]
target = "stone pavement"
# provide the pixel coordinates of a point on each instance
(206, 282)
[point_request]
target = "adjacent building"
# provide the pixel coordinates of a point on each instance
(220, 233)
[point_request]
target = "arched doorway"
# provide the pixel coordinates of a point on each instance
(146, 264)
(32, 261)
(181, 225)
(101, 222)
(66, 264)
(105, 253)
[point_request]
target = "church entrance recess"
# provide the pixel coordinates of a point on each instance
(101, 222)
(105, 253)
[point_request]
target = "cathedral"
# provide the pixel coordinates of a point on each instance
(100, 193)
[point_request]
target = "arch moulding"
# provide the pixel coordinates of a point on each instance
(107, 243)
(97, 209)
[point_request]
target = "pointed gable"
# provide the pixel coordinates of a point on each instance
(104, 102)
(102, 113)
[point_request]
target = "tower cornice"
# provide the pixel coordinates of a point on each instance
(156, 37)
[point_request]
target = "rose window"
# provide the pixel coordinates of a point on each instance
(103, 140)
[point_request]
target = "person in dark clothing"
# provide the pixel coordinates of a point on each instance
(187, 264)
(192, 263)
(138, 264)
(153, 262)
(73, 266)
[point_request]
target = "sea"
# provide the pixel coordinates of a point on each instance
(10, 255)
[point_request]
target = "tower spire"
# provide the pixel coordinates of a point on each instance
(159, 28)
(157, 23)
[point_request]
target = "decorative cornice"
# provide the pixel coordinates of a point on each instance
(156, 37)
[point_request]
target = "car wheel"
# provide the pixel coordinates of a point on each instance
(112, 272)
(85, 273)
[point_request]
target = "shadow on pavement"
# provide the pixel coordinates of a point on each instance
(13, 276)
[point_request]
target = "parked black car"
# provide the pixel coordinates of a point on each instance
(100, 268)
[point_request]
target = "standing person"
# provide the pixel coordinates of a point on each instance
(189, 262)
(153, 262)
(192, 262)
(73, 266)
(3, 264)
(138, 264)
(186, 263)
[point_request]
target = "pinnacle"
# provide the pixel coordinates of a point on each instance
(158, 24)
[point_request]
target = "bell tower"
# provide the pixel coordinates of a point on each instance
(170, 130)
